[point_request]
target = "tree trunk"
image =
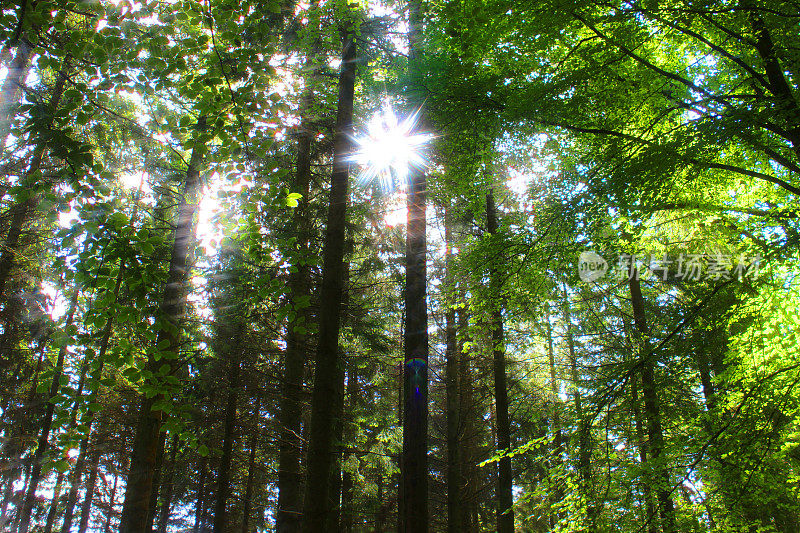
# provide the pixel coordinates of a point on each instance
(22, 210)
(348, 510)
(505, 489)
(650, 518)
(584, 425)
(111, 501)
(139, 487)
(652, 407)
(320, 447)
(11, 92)
(51, 514)
(414, 463)
(453, 476)
(88, 497)
(555, 389)
(251, 476)
(201, 495)
(167, 488)
(44, 434)
(80, 463)
(224, 476)
(289, 511)
(469, 441)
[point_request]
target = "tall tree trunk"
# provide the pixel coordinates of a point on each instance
(289, 511)
(47, 424)
(139, 487)
(51, 513)
(201, 495)
(454, 481)
(584, 425)
(326, 361)
(344, 370)
(91, 481)
(467, 412)
(652, 406)
(505, 489)
(224, 476)
(650, 517)
(251, 476)
(111, 503)
(555, 390)
(168, 487)
(414, 463)
(22, 210)
(88, 421)
(11, 92)
(348, 510)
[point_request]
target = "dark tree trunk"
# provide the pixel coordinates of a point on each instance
(584, 425)
(650, 516)
(224, 476)
(348, 511)
(80, 463)
(168, 487)
(320, 446)
(44, 434)
(111, 498)
(251, 476)
(454, 481)
(414, 463)
(467, 412)
(86, 506)
(652, 407)
(289, 512)
(51, 513)
(201, 495)
(22, 210)
(153, 506)
(555, 390)
(505, 489)
(136, 510)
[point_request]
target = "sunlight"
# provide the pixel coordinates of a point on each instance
(389, 149)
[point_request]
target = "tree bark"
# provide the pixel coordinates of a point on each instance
(168, 488)
(326, 361)
(469, 431)
(136, 509)
(290, 481)
(47, 424)
(650, 518)
(80, 463)
(251, 476)
(201, 495)
(453, 476)
(86, 505)
(414, 462)
(505, 489)
(51, 513)
(22, 210)
(584, 425)
(558, 450)
(11, 92)
(652, 407)
(224, 476)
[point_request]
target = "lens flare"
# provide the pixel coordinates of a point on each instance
(389, 149)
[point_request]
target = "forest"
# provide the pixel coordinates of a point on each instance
(417, 266)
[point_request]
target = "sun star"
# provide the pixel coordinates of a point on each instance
(389, 148)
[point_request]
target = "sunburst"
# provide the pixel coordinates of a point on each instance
(389, 149)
